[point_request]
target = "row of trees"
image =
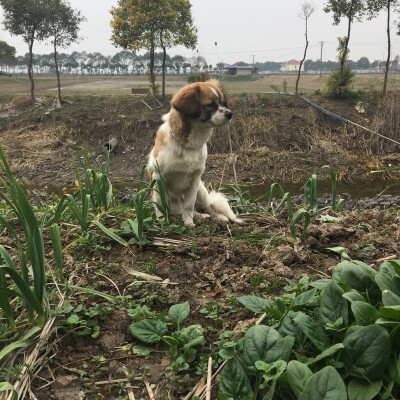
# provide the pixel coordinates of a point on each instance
(121, 63)
(52, 20)
(126, 62)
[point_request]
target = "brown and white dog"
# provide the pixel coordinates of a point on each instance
(180, 152)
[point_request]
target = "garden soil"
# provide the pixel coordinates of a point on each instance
(209, 266)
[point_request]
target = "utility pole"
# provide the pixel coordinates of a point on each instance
(253, 55)
(320, 60)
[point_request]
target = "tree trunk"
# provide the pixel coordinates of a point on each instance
(302, 61)
(152, 77)
(57, 73)
(389, 48)
(163, 71)
(30, 67)
(346, 46)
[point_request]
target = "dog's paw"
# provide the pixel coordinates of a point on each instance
(200, 216)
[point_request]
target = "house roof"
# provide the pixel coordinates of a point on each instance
(292, 62)
(240, 64)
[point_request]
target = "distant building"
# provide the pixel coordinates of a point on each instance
(291, 66)
(240, 68)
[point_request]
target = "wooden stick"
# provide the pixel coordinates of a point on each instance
(209, 378)
(149, 389)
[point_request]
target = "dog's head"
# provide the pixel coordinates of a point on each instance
(203, 102)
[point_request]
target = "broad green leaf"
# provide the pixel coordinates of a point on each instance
(142, 351)
(221, 396)
(234, 381)
(384, 321)
(178, 312)
(263, 343)
(392, 312)
(148, 330)
(191, 336)
(320, 284)
(353, 296)
(354, 275)
(364, 313)
(367, 352)
(304, 298)
(288, 327)
(359, 389)
(325, 385)
(327, 353)
(297, 375)
(333, 305)
(254, 303)
(312, 330)
(390, 299)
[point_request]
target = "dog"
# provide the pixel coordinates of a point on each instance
(180, 152)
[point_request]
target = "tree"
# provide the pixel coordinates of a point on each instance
(177, 29)
(363, 63)
(63, 29)
(339, 81)
(135, 25)
(350, 9)
(28, 19)
(307, 9)
(374, 7)
(7, 53)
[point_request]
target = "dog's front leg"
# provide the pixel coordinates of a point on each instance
(188, 203)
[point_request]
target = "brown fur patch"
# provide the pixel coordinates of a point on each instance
(159, 143)
(180, 126)
(187, 101)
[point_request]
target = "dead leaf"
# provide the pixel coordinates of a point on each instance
(219, 290)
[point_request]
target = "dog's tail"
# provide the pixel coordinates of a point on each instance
(220, 206)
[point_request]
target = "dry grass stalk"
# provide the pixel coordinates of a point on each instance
(209, 375)
(37, 355)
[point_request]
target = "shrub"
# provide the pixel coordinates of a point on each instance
(339, 83)
(200, 77)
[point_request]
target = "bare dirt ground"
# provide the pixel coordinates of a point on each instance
(274, 138)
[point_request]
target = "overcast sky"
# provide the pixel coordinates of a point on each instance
(269, 30)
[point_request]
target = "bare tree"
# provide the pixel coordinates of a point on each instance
(307, 9)
(374, 7)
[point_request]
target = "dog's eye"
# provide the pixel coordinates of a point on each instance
(210, 105)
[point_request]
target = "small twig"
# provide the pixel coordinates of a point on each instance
(379, 260)
(149, 389)
(233, 157)
(110, 280)
(209, 375)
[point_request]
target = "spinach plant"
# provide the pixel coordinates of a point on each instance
(185, 343)
(333, 338)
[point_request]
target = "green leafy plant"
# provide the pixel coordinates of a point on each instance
(342, 337)
(184, 343)
(31, 255)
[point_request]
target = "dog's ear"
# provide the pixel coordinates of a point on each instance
(187, 101)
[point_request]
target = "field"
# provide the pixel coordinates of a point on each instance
(122, 85)
(99, 299)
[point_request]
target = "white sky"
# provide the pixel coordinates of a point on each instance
(271, 30)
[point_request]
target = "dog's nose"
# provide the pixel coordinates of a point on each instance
(229, 115)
